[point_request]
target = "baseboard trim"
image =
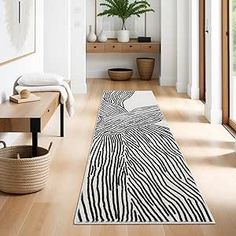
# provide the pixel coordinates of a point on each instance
(193, 93)
(181, 87)
(214, 116)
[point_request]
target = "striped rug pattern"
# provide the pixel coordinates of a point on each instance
(136, 172)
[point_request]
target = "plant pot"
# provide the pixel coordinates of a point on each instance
(120, 74)
(145, 67)
(123, 36)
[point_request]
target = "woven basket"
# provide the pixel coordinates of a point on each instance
(19, 172)
(120, 74)
(145, 67)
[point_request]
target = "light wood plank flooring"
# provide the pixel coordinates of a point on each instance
(208, 149)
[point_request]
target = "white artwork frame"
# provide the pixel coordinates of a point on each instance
(17, 29)
(110, 25)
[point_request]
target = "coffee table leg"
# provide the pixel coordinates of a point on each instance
(62, 120)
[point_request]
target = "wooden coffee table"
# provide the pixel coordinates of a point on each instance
(31, 117)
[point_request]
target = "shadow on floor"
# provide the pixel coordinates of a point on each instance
(225, 160)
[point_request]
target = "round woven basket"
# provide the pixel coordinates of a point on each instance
(19, 172)
(120, 74)
(145, 67)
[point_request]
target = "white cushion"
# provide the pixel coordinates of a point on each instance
(40, 79)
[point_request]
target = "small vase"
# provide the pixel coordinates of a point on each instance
(102, 37)
(91, 36)
(123, 36)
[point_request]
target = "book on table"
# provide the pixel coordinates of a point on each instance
(18, 99)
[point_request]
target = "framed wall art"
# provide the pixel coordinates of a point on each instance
(17, 29)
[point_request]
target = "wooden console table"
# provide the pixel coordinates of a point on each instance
(112, 46)
(31, 117)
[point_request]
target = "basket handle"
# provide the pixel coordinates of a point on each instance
(50, 146)
(4, 144)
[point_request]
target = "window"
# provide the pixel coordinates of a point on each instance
(229, 62)
(232, 69)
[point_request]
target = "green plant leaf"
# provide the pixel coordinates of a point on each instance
(124, 9)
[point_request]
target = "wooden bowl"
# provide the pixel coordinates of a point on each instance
(120, 74)
(24, 94)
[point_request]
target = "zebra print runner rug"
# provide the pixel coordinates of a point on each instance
(136, 173)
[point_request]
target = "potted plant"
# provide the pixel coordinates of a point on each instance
(124, 9)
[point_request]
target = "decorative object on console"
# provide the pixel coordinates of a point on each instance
(120, 74)
(17, 29)
(25, 93)
(102, 38)
(91, 36)
(124, 10)
(123, 36)
(18, 98)
(144, 39)
(145, 67)
(111, 25)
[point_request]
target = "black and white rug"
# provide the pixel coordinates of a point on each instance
(136, 173)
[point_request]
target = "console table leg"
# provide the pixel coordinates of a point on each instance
(34, 143)
(35, 127)
(62, 120)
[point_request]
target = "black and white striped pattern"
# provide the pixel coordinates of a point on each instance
(136, 172)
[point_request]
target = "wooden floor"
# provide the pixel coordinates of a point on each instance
(209, 150)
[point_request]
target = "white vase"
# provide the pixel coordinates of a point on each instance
(91, 36)
(123, 36)
(102, 37)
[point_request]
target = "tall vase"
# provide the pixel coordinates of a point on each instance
(91, 36)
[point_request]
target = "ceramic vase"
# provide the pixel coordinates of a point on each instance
(102, 37)
(123, 36)
(91, 36)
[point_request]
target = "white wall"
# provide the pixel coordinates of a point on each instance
(57, 37)
(98, 64)
(78, 46)
(175, 44)
(65, 52)
(182, 45)
(9, 72)
(213, 106)
(168, 43)
(193, 84)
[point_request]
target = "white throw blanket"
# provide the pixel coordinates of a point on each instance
(63, 88)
